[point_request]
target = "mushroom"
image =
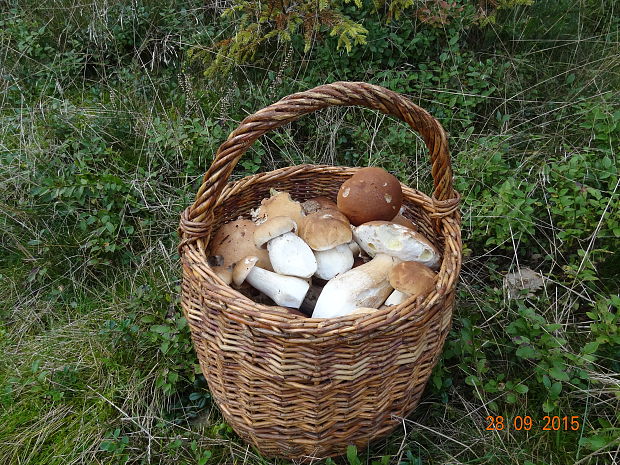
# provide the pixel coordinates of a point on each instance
(364, 286)
(355, 248)
(279, 204)
(272, 228)
(333, 261)
(318, 203)
(288, 253)
(232, 242)
(409, 279)
(286, 291)
(328, 236)
(392, 239)
(370, 194)
(404, 221)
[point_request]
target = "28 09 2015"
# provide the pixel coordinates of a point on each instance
(547, 423)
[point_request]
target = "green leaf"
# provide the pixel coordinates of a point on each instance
(352, 455)
(590, 347)
(555, 389)
(521, 388)
(471, 380)
(206, 455)
(548, 406)
(526, 351)
(594, 442)
(558, 373)
(161, 329)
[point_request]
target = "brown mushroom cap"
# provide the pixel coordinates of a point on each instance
(271, 228)
(242, 269)
(370, 194)
(234, 241)
(318, 203)
(412, 278)
(403, 221)
(324, 231)
(225, 273)
(279, 204)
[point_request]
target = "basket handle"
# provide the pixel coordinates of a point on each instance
(296, 105)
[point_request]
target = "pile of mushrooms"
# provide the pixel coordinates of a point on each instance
(324, 259)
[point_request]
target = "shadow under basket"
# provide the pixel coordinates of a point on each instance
(297, 387)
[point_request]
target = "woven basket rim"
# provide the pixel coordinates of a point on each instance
(277, 320)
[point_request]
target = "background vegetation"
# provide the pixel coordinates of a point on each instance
(109, 113)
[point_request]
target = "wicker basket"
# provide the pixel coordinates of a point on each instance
(296, 387)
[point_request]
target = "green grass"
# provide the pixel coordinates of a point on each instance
(108, 121)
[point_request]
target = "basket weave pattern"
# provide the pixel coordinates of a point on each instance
(293, 386)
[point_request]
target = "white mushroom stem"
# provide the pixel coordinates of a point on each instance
(364, 286)
(396, 298)
(290, 255)
(333, 261)
(286, 291)
(355, 248)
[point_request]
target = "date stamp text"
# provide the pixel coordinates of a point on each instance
(526, 423)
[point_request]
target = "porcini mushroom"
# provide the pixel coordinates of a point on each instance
(328, 236)
(273, 228)
(409, 279)
(279, 204)
(324, 231)
(403, 220)
(399, 241)
(315, 204)
(288, 254)
(286, 291)
(370, 194)
(333, 262)
(232, 242)
(355, 248)
(364, 286)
